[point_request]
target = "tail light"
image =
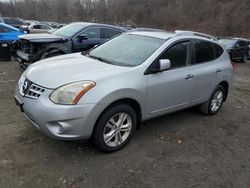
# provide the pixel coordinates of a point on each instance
(233, 65)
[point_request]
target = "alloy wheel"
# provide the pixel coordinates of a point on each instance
(117, 129)
(217, 101)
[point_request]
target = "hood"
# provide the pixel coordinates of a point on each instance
(45, 37)
(57, 71)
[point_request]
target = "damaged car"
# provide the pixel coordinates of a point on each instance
(75, 37)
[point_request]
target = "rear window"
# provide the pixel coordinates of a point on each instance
(218, 50)
(203, 51)
(229, 43)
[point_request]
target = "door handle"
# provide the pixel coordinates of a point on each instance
(189, 77)
(218, 71)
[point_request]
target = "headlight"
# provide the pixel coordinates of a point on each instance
(22, 79)
(71, 93)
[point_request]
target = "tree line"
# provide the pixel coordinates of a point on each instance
(216, 17)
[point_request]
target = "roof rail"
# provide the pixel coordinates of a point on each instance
(148, 29)
(181, 32)
(236, 38)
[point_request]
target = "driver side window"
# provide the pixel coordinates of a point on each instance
(92, 32)
(178, 54)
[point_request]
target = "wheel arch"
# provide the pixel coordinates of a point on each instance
(129, 101)
(225, 85)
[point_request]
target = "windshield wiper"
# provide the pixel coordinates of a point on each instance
(98, 58)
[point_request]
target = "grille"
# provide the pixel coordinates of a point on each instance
(34, 91)
(29, 89)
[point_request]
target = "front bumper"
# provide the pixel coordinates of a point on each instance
(64, 122)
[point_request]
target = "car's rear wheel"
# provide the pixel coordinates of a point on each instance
(115, 128)
(215, 102)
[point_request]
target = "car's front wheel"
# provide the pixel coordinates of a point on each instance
(115, 128)
(215, 102)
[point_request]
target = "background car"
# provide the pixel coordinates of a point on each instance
(238, 49)
(248, 43)
(39, 28)
(1, 19)
(9, 33)
(75, 37)
(16, 22)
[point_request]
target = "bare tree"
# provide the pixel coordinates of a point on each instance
(218, 17)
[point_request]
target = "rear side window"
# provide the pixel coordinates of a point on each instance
(203, 51)
(218, 50)
(178, 54)
(108, 32)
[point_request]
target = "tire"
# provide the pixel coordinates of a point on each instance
(244, 60)
(212, 107)
(53, 54)
(109, 126)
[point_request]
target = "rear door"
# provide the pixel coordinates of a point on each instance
(205, 68)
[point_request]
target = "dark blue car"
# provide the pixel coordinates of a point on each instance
(75, 37)
(9, 33)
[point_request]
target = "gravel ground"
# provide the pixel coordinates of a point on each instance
(184, 149)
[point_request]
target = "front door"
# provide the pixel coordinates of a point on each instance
(173, 88)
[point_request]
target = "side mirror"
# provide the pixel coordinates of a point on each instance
(82, 37)
(165, 64)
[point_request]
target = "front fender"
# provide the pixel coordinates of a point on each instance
(107, 100)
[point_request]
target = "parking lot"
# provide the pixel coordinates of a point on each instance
(184, 149)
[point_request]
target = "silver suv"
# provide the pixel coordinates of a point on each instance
(105, 94)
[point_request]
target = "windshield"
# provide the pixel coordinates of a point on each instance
(69, 30)
(228, 43)
(127, 50)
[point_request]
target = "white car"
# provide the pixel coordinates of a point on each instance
(105, 94)
(39, 28)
